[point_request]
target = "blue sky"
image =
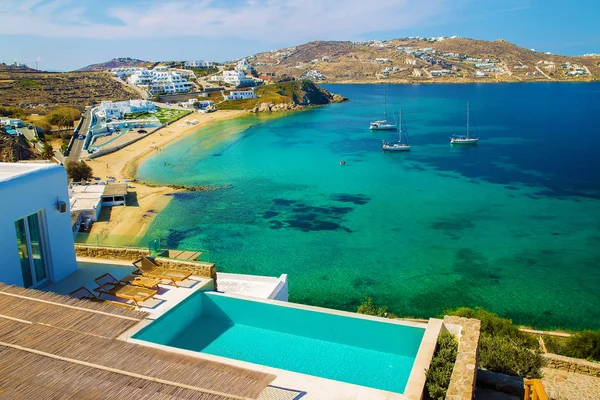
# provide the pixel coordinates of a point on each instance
(69, 34)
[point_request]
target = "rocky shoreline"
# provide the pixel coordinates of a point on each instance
(291, 106)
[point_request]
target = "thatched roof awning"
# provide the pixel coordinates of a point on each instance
(51, 344)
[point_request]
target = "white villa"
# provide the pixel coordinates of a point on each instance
(242, 65)
(236, 78)
(158, 80)
(240, 95)
(36, 240)
(116, 110)
(198, 64)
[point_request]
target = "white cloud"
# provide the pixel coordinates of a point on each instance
(264, 20)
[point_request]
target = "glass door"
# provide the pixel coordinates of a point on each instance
(31, 243)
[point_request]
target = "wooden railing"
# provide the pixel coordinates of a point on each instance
(534, 390)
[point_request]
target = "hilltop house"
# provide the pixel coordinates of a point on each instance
(198, 64)
(240, 95)
(161, 80)
(36, 240)
(236, 78)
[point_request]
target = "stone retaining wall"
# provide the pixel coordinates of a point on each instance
(464, 374)
(110, 253)
(197, 268)
(575, 365)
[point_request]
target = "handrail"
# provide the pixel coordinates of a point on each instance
(534, 390)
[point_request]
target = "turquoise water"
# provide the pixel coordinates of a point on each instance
(353, 350)
(511, 225)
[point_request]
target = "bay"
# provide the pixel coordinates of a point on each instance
(511, 225)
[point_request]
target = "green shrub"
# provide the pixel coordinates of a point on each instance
(555, 344)
(63, 116)
(502, 354)
(79, 171)
(493, 324)
(442, 364)
(585, 344)
(369, 308)
(503, 347)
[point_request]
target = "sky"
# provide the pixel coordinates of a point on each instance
(62, 35)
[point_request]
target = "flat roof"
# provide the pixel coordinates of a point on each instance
(115, 189)
(88, 188)
(80, 204)
(13, 170)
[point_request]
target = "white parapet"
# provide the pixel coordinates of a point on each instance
(263, 287)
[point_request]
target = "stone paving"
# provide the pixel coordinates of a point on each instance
(563, 385)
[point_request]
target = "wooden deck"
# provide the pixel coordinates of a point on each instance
(65, 350)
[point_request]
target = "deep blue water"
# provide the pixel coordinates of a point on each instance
(512, 225)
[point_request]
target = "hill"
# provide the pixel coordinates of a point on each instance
(116, 63)
(74, 89)
(284, 96)
(427, 60)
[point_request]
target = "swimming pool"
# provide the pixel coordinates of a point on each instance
(332, 345)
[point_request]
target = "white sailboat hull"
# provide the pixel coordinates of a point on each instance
(382, 126)
(465, 141)
(396, 147)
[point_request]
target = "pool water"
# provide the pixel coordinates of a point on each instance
(344, 348)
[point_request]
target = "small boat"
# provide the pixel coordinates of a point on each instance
(402, 143)
(383, 124)
(464, 139)
(343, 162)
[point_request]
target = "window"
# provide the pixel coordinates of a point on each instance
(32, 250)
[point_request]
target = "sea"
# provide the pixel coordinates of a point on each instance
(511, 225)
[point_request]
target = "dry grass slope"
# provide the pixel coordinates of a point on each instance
(74, 89)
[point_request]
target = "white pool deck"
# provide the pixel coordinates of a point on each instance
(317, 388)
(265, 289)
(168, 295)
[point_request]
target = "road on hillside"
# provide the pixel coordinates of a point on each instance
(75, 152)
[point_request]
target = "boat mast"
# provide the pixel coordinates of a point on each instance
(400, 128)
(385, 103)
(467, 119)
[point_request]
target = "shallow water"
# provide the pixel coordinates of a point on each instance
(511, 225)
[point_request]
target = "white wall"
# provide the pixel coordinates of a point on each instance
(28, 191)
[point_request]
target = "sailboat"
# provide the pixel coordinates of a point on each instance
(384, 124)
(401, 144)
(464, 139)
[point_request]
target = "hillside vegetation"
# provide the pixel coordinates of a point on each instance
(413, 60)
(31, 88)
(284, 96)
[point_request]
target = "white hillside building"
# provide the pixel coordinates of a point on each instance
(236, 78)
(161, 80)
(116, 110)
(198, 64)
(242, 65)
(241, 95)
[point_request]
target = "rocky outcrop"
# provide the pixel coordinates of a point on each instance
(272, 107)
(293, 96)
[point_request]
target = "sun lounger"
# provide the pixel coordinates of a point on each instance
(142, 281)
(84, 293)
(150, 268)
(108, 284)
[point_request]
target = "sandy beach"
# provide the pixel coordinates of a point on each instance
(144, 202)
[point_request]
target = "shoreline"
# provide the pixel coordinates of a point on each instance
(145, 201)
